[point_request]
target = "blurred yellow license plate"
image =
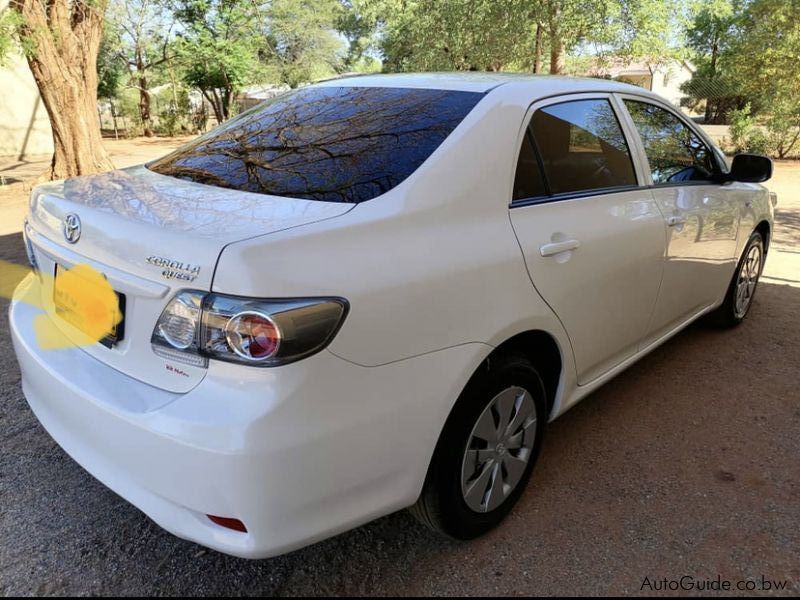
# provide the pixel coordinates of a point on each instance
(69, 308)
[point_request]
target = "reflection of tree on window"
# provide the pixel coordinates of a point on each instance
(582, 146)
(324, 143)
(674, 152)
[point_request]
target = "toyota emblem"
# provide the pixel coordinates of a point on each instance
(72, 228)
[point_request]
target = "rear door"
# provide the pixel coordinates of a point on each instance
(591, 232)
(701, 214)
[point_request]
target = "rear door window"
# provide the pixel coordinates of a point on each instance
(675, 153)
(582, 147)
(336, 144)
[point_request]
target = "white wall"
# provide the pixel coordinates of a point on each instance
(24, 126)
(667, 81)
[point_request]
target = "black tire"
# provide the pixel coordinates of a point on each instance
(442, 506)
(726, 314)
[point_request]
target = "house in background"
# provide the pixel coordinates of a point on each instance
(24, 126)
(256, 94)
(664, 78)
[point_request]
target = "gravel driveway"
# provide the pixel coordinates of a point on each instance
(687, 464)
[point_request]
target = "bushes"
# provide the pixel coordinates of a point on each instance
(783, 127)
(746, 136)
(778, 136)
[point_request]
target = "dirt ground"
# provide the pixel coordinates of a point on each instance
(17, 176)
(687, 464)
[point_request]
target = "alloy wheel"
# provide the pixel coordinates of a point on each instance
(747, 280)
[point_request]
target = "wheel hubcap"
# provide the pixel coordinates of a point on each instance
(498, 449)
(747, 280)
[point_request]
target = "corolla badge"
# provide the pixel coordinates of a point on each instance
(175, 269)
(72, 228)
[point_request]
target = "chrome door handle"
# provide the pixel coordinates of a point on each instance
(559, 247)
(673, 221)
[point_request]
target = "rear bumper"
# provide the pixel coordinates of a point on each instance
(297, 453)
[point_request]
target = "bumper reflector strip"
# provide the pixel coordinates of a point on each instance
(228, 523)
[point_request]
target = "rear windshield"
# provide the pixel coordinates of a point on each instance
(337, 144)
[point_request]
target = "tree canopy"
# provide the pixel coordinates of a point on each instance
(747, 52)
(744, 52)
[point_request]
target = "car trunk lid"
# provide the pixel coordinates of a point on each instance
(151, 235)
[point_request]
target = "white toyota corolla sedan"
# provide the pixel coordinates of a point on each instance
(374, 292)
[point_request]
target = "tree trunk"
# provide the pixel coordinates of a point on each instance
(556, 56)
(114, 116)
(708, 117)
(144, 94)
(556, 43)
(174, 87)
(537, 49)
(144, 108)
(226, 103)
(213, 100)
(64, 38)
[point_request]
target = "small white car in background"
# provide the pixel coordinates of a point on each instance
(373, 293)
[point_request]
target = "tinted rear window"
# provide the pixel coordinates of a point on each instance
(345, 144)
(528, 182)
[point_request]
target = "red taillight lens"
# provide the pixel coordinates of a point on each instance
(196, 326)
(253, 335)
(228, 523)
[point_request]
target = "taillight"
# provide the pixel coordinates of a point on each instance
(178, 323)
(195, 326)
(253, 336)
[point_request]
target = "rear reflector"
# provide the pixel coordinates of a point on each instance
(228, 523)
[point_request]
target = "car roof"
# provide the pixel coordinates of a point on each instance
(543, 85)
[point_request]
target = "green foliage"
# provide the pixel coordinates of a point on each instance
(225, 45)
(746, 135)
(220, 46)
(217, 63)
(758, 142)
(304, 43)
(9, 21)
(451, 35)
(709, 37)
(359, 30)
(169, 122)
(741, 124)
(110, 70)
(173, 109)
(770, 31)
(501, 34)
(650, 30)
(747, 51)
(127, 105)
(783, 127)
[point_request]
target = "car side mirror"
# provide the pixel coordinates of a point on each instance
(750, 168)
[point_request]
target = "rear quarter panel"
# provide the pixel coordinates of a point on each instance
(432, 264)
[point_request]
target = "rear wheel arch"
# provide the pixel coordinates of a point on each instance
(444, 503)
(538, 346)
(543, 351)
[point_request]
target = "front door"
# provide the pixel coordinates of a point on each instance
(701, 215)
(592, 237)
